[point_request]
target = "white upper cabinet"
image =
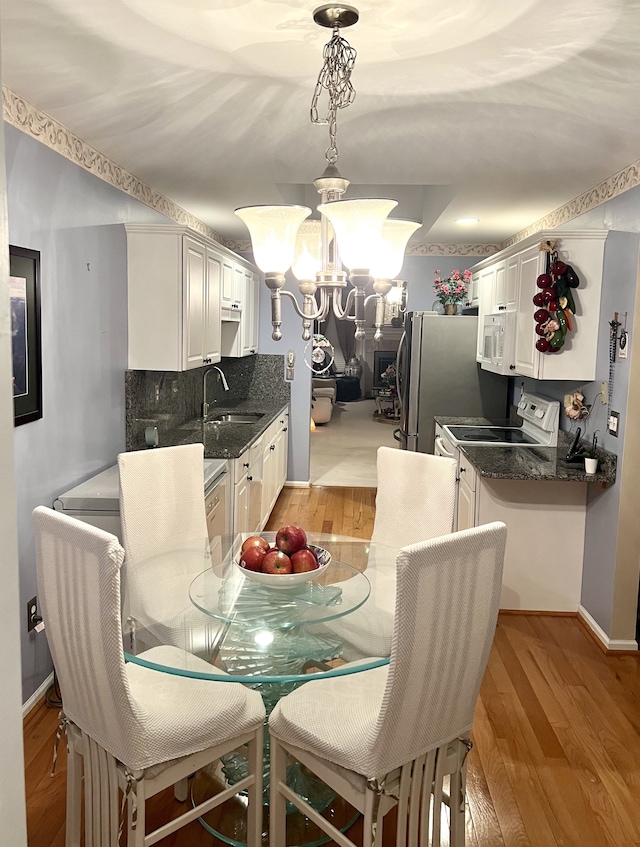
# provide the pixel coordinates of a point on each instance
(240, 327)
(485, 280)
(508, 281)
(232, 296)
(175, 286)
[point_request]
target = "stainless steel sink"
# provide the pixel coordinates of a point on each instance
(232, 417)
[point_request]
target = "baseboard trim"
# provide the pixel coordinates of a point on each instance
(545, 612)
(37, 695)
(611, 645)
(297, 484)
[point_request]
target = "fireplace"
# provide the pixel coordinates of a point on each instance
(381, 361)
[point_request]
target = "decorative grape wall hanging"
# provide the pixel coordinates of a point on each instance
(556, 308)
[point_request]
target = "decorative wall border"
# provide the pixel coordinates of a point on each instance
(417, 249)
(609, 188)
(434, 249)
(22, 115)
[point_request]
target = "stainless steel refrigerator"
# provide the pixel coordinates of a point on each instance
(438, 374)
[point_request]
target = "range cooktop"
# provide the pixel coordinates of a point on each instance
(499, 436)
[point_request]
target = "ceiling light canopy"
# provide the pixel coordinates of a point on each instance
(352, 234)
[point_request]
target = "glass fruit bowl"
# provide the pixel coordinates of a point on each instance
(290, 580)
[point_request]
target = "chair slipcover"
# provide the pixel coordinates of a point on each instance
(368, 725)
(416, 497)
(140, 716)
(164, 533)
(130, 728)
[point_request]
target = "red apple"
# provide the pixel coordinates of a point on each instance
(291, 538)
(252, 558)
(304, 560)
(276, 562)
(254, 541)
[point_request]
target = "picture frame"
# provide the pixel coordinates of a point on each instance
(26, 344)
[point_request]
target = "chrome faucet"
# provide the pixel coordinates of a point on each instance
(225, 385)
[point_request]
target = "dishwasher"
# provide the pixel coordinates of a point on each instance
(96, 501)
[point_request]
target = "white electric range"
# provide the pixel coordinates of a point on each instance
(540, 424)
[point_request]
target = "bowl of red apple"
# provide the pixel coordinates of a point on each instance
(290, 561)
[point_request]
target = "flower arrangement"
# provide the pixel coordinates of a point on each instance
(388, 378)
(452, 289)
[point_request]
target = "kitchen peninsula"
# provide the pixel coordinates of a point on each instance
(543, 500)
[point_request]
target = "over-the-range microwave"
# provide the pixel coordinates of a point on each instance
(499, 342)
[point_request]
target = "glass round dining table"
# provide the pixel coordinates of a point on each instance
(198, 599)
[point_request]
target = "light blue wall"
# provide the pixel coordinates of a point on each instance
(300, 416)
(74, 220)
(419, 273)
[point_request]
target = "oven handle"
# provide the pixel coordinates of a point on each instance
(440, 444)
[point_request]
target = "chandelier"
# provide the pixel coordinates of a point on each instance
(352, 235)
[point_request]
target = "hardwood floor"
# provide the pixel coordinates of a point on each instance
(556, 761)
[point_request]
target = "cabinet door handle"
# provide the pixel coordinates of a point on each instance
(249, 479)
(463, 470)
(272, 447)
(512, 367)
(284, 428)
(245, 464)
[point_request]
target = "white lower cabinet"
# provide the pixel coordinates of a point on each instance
(259, 475)
(466, 517)
(540, 574)
(274, 462)
(247, 509)
(241, 503)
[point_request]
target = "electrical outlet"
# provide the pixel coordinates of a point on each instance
(604, 393)
(613, 424)
(33, 614)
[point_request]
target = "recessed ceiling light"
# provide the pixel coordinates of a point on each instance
(467, 221)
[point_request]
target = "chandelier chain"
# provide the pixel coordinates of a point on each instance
(335, 78)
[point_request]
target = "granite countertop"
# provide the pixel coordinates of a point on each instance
(224, 440)
(530, 463)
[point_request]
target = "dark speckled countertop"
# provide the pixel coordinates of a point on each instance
(530, 463)
(224, 440)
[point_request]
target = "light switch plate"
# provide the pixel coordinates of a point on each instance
(613, 424)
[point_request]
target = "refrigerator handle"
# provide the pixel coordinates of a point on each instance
(403, 341)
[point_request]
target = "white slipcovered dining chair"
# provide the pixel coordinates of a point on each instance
(129, 727)
(416, 497)
(164, 534)
(389, 736)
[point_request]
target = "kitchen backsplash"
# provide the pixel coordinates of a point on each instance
(168, 399)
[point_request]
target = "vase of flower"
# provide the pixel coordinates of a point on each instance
(451, 290)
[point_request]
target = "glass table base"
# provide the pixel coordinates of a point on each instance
(228, 822)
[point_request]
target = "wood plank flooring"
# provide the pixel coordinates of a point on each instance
(556, 761)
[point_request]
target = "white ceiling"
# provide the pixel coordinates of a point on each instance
(497, 109)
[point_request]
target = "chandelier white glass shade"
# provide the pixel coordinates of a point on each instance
(353, 233)
(273, 231)
(357, 225)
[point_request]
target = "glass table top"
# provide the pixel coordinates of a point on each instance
(194, 605)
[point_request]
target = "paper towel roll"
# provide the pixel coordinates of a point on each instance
(151, 436)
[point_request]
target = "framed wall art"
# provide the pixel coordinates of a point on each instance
(24, 291)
